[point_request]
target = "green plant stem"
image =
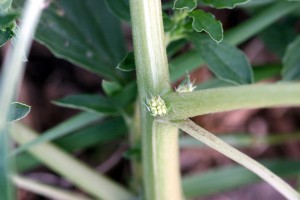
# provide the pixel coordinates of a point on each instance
(78, 173)
(46, 190)
(185, 105)
(214, 142)
(11, 77)
(158, 140)
(257, 23)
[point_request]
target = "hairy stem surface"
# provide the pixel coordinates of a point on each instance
(185, 105)
(159, 141)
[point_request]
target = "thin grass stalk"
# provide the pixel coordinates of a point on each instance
(71, 168)
(214, 142)
(10, 80)
(46, 190)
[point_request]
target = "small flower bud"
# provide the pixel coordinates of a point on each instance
(156, 106)
(186, 86)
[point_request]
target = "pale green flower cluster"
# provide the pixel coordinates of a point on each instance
(156, 106)
(187, 86)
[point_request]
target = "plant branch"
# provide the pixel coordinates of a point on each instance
(185, 105)
(214, 142)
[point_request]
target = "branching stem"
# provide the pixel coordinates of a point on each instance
(214, 142)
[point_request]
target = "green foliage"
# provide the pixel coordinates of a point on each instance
(278, 36)
(127, 63)
(8, 18)
(110, 88)
(7, 26)
(203, 21)
(291, 61)
(61, 130)
(224, 4)
(84, 33)
(87, 33)
(228, 178)
(120, 8)
(112, 105)
(225, 61)
(18, 111)
(75, 138)
(185, 4)
(87, 102)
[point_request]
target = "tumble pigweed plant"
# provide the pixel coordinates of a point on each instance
(160, 32)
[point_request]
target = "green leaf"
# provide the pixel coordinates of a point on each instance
(90, 103)
(227, 62)
(8, 18)
(18, 111)
(278, 36)
(260, 73)
(84, 33)
(228, 178)
(78, 139)
(168, 23)
(224, 4)
(66, 127)
(6, 33)
(266, 71)
(125, 96)
(203, 21)
(185, 4)
(127, 63)
(120, 8)
(110, 88)
(291, 61)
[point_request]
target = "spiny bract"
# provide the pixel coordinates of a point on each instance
(186, 86)
(156, 106)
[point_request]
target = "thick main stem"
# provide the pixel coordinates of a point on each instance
(159, 141)
(214, 142)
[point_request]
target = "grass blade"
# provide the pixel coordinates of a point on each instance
(227, 178)
(46, 190)
(12, 73)
(70, 125)
(106, 131)
(71, 168)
